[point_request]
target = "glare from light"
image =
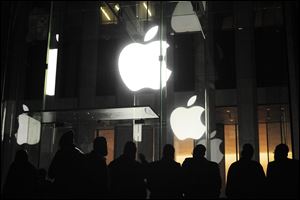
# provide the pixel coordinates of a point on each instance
(139, 65)
(106, 15)
(51, 72)
(149, 12)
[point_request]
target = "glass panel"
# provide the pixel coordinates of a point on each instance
(230, 141)
(110, 139)
(73, 116)
(274, 138)
(263, 146)
(183, 149)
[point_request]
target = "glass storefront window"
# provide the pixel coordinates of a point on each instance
(274, 128)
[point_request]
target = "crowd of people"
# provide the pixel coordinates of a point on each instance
(73, 174)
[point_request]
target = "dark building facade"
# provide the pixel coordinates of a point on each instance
(240, 59)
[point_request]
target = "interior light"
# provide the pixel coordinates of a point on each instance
(106, 15)
(117, 7)
(51, 72)
(149, 12)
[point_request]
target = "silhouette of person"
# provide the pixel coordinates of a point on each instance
(283, 175)
(97, 171)
(127, 175)
(164, 176)
(246, 177)
(21, 177)
(202, 177)
(67, 168)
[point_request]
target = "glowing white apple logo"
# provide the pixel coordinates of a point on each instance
(29, 129)
(139, 64)
(186, 122)
(216, 154)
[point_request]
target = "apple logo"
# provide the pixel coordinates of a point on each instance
(216, 154)
(186, 122)
(139, 64)
(29, 129)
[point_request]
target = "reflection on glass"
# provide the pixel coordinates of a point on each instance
(107, 15)
(270, 135)
(183, 149)
(230, 146)
(110, 139)
(263, 146)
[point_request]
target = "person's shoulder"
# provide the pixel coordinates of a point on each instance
(187, 161)
(154, 163)
(235, 164)
(272, 163)
(213, 163)
(177, 164)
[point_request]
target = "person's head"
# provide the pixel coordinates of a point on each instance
(21, 156)
(199, 151)
(168, 152)
(66, 139)
(130, 150)
(247, 151)
(100, 146)
(281, 152)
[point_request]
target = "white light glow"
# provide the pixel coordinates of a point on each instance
(151, 33)
(57, 37)
(106, 15)
(139, 65)
(137, 132)
(51, 72)
(149, 12)
(186, 122)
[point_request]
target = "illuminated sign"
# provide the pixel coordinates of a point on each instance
(215, 154)
(139, 64)
(186, 122)
(29, 129)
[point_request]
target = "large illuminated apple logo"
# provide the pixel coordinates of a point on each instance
(216, 154)
(186, 122)
(29, 129)
(139, 64)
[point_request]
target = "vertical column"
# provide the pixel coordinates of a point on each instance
(218, 149)
(245, 75)
(292, 39)
(88, 69)
(89, 51)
